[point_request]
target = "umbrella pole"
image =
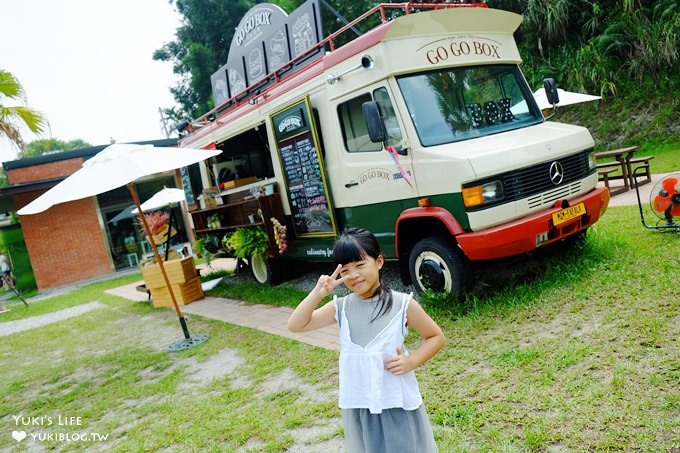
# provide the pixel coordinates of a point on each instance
(167, 240)
(182, 321)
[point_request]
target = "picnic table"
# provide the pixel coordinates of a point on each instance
(624, 159)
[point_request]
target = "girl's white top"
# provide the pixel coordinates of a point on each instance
(364, 382)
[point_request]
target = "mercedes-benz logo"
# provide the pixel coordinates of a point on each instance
(556, 173)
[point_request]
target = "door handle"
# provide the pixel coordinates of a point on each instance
(351, 184)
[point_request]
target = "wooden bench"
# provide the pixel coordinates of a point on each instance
(641, 162)
(604, 174)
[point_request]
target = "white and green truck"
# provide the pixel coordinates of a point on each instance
(422, 130)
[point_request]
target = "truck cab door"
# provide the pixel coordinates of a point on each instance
(369, 173)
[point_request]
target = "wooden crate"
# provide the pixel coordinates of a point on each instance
(178, 271)
(185, 293)
(162, 236)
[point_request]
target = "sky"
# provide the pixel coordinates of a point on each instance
(87, 66)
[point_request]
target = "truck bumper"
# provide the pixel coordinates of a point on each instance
(529, 233)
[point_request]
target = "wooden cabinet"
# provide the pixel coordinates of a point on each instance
(237, 211)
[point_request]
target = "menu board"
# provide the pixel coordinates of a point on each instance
(302, 166)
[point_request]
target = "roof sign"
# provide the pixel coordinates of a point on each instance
(265, 40)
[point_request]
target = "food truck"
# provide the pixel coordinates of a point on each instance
(422, 129)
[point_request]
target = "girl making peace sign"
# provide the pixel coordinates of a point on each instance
(382, 409)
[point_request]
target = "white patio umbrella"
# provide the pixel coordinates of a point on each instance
(124, 214)
(161, 199)
(566, 98)
(119, 165)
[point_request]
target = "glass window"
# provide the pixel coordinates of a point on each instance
(391, 124)
(460, 103)
(353, 123)
(354, 128)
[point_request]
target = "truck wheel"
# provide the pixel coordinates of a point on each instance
(436, 264)
(264, 270)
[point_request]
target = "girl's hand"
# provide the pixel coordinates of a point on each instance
(327, 283)
(399, 364)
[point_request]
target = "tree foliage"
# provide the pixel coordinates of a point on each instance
(51, 145)
(609, 47)
(201, 47)
(14, 119)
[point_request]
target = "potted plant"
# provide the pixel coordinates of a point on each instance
(157, 222)
(214, 221)
(206, 247)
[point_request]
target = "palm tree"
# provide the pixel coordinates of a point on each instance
(14, 118)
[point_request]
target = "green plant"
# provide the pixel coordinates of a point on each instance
(246, 242)
(211, 244)
(205, 248)
(214, 218)
(199, 246)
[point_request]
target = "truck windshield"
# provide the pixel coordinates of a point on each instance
(461, 103)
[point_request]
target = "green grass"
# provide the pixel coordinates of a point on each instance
(575, 351)
(666, 155)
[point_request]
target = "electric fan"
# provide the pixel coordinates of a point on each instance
(664, 200)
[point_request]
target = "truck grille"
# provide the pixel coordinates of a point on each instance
(552, 195)
(534, 182)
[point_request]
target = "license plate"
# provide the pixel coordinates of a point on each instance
(569, 213)
(541, 238)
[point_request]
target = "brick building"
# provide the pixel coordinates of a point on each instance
(81, 239)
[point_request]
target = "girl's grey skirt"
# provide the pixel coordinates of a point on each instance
(394, 430)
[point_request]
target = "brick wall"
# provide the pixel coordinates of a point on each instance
(44, 171)
(66, 242)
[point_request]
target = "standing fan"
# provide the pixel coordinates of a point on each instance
(664, 200)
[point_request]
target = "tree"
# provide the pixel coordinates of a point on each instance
(201, 47)
(48, 145)
(14, 119)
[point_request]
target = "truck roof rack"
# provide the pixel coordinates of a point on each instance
(386, 12)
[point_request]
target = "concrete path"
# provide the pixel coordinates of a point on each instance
(268, 318)
(20, 325)
(629, 198)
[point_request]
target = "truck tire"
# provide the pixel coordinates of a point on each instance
(264, 270)
(436, 264)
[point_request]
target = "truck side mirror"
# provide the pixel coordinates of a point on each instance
(374, 121)
(551, 91)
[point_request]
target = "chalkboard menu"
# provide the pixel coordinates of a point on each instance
(302, 165)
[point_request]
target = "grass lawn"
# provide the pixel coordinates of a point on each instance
(576, 351)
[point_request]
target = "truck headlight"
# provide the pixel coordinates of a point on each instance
(591, 161)
(489, 192)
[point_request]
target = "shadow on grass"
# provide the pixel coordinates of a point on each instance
(520, 280)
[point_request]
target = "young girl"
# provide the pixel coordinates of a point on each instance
(382, 409)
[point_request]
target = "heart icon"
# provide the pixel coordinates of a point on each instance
(19, 435)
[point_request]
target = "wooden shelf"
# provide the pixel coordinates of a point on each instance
(227, 229)
(235, 214)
